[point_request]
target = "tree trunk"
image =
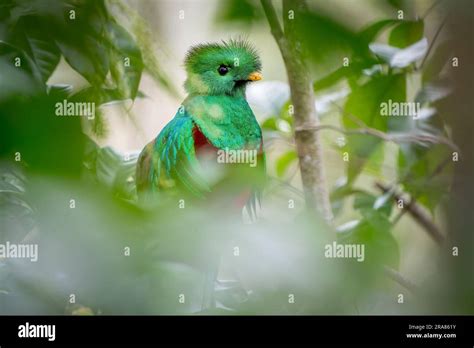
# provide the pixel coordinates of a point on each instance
(458, 108)
(308, 143)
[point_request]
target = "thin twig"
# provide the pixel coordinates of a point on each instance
(397, 277)
(366, 130)
(286, 184)
(438, 31)
(417, 213)
(436, 3)
(272, 18)
(395, 138)
(397, 218)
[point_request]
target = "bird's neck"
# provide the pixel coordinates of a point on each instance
(238, 92)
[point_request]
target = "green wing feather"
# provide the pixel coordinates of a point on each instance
(170, 160)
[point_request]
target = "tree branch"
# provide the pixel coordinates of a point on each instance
(417, 213)
(308, 143)
(272, 18)
(398, 278)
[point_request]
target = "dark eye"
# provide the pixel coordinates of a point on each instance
(223, 70)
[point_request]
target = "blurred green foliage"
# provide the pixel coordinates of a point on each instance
(82, 249)
(376, 72)
(379, 62)
(239, 11)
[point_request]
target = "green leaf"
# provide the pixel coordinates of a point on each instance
(371, 32)
(383, 203)
(432, 92)
(112, 169)
(373, 231)
(361, 59)
(400, 58)
(88, 57)
(240, 11)
(329, 42)
(406, 33)
(270, 124)
(331, 79)
(374, 164)
(284, 161)
(39, 25)
(30, 36)
(59, 90)
(398, 4)
(339, 193)
(21, 80)
(82, 43)
(16, 213)
(126, 63)
(425, 172)
(345, 72)
(100, 96)
(365, 201)
(50, 9)
(365, 103)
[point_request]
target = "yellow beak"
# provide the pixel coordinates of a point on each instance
(255, 76)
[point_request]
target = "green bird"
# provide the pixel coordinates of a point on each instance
(214, 118)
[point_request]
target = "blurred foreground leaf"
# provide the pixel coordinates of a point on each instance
(364, 104)
(406, 33)
(401, 58)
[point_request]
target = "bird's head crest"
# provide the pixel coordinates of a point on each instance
(221, 68)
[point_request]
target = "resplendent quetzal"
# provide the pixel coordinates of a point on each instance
(215, 116)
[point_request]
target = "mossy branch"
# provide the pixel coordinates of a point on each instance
(308, 142)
